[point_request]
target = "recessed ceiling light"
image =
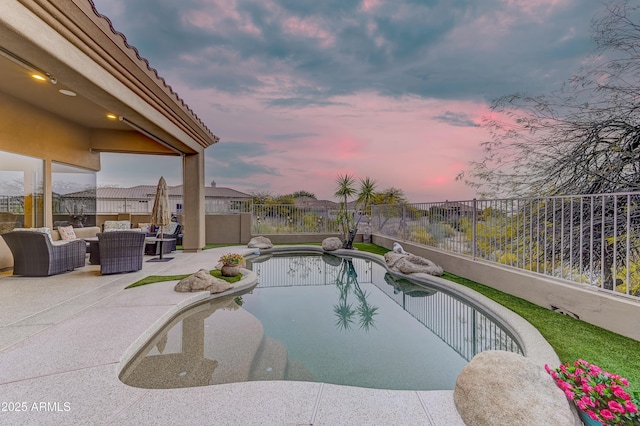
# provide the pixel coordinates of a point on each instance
(38, 77)
(67, 92)
(112, 116)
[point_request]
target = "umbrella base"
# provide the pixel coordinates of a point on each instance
(160, 259)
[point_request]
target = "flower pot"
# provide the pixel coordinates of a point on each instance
(230, 270)
(588, 421)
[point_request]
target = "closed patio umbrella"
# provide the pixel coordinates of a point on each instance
(161, 215)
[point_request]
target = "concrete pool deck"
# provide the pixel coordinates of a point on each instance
(64, 339)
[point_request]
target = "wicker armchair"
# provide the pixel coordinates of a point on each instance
(167, 246)
(34, 255)
(121, 251)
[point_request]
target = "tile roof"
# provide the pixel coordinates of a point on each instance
(143, 63)
(149, 191)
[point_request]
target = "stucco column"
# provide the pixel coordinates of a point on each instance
(193, 196)
(47, 193)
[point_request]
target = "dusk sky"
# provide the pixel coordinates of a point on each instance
(300, 92)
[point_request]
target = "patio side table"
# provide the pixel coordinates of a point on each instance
(157, 248)
(94, 250)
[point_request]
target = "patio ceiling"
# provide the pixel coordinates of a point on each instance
(107, 77)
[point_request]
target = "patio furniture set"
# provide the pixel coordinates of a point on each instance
(118, 248)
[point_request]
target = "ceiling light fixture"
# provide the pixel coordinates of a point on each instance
(67, 92)
(112, 116)
(36, 72)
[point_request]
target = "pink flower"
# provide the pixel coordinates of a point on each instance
(569, 394)
(586, 388)
(593, 415)
(630, 406)
(563, 385)
(620, 393)
(581, 405)
(615, 406)
(607, 415)
(587, 401)
(547, 368)
(595, 370)
(600, 387)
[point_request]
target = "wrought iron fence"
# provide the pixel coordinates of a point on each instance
(288, 218)
(589, 239)
(12, 203)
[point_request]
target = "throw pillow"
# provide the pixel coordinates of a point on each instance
(67, 233)
(145, 227)
(168, 229)
(116, 225)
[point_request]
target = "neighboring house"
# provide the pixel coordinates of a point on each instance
(453, 209)
(72, 88)
(312, 202)
(140, 199)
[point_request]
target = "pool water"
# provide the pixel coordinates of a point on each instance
(322, 318)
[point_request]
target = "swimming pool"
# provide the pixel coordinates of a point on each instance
(323, 318)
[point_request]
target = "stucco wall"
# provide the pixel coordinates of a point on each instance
(303, 238)
(228, 228)
(33, 132)
(614, 313)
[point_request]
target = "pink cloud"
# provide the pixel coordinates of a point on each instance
(369, 5)
(308, 28)
(396, 141)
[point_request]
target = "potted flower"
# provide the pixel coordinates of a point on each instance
(231, 264)
(600, 396)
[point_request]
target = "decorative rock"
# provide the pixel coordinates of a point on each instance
(407, 287)
(260, 243)
(397, 248)
(411, 264)
(331, 244)
(331, 259)
(202, 281)
(500, 388)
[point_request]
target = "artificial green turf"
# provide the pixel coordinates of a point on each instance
(160, 278)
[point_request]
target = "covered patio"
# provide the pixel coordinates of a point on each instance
(73, 88)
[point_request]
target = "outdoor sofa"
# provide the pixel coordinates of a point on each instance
(36, 255)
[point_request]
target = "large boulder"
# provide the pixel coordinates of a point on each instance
(499, 388)
(260, 242)
(403, 285)
(331, 244)
(202, 281)
(411, 264)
